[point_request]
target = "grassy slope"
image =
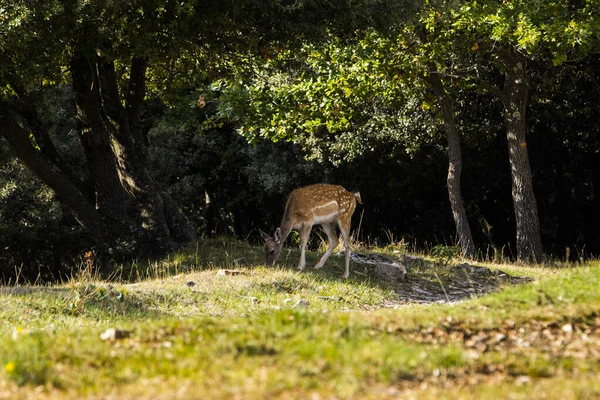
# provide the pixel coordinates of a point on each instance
(240, 336)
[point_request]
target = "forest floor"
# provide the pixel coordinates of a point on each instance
(212, 322)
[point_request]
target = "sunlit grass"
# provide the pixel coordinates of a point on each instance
(276, 332)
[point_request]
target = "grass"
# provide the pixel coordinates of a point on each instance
(246, 336)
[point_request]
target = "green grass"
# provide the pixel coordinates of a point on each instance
(241, 336)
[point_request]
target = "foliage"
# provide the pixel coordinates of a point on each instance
(37, 235)
(204, 168)
(348, 93)
(469, 38)
(338, 100)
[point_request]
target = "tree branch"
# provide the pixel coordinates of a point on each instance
(18, 139)
(24, 106)
(496, 91)
(109, 89)
(137, 88)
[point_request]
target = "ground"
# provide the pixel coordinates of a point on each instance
(213, 323)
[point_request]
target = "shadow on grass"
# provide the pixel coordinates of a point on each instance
(96, 301)
(427, 281)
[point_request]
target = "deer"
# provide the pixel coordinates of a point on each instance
(320, 204)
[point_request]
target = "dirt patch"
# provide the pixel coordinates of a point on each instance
(428, 282)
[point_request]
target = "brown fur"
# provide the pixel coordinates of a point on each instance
(320, 204)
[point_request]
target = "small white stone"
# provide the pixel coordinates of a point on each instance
(567, 328)
(302, 303)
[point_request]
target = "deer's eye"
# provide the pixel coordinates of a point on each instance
(273, 251)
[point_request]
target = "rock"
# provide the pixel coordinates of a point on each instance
(113, 334)
(419, 290)
(302, 304)
(385, 268)
(477, 271)
(567, 328)
(395, 271)
(415, 261)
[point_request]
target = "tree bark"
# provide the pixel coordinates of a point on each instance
(96, 137)
(515, 97)
(454, 164)
(146, 216)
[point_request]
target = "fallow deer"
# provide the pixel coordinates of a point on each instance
(320, 204)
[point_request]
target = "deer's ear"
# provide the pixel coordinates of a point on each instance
(264, 235)
(277, 235)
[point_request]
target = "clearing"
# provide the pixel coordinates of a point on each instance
(212, 323)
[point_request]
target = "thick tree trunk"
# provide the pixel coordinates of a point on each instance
(515, 96)
(454, 165)
(146, 220)
(112, 201)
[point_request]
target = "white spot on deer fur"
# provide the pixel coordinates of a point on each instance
(326, 204)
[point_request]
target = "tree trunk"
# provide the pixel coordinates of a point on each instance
(454, 165)
(514, 97)
(594, 235)
(145, 219)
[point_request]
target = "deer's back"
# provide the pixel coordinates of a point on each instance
(319, 203)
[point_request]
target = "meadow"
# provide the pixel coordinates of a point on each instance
(212, 322)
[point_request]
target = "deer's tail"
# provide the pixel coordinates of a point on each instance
(357, 196)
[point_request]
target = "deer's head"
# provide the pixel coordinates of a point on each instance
(273, 246)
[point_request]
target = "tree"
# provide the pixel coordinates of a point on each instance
(113, 54)
(430, 68)
(128, 213)
(446, 106)
(502, 38)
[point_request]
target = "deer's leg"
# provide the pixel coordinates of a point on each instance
(333, 242)
(304, 234)
(345, 228)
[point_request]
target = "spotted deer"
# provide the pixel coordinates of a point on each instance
(320, 204)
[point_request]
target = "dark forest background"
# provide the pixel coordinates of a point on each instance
(227, 182)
